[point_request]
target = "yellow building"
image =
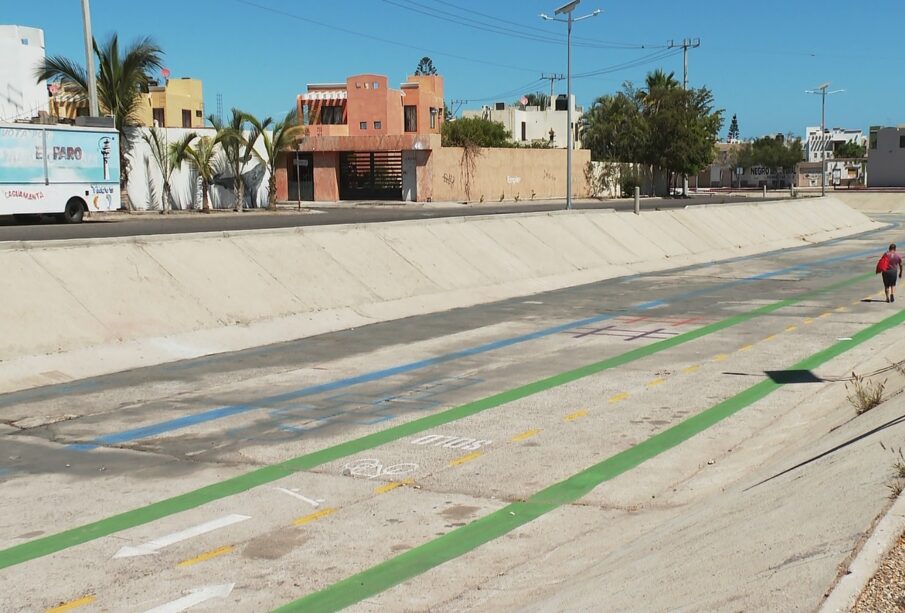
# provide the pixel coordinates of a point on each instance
(177, 104)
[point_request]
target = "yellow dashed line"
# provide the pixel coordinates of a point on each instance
(824, 315)
(722, 357)
(389, 487)
(619, 397)
(207, 555)
(692, 369)
(841, 309)
(746, 348)
(656, 382)
(769, 338)
(307, 519)
(576, 415)
(466, 458)
(525, 435)
(72, 604)
(808, 321)
(791, 328)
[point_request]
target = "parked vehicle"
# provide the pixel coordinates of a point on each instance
(58, 170)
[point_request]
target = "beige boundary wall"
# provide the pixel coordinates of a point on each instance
(81, 308)
(506, 173)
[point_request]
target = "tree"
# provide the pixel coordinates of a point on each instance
(122, 76)
(162, 154)
(733, 134)
(237, 149)
(282, 134)
(474, 132)
(201, 153)
(772, 152)
(849, 149)
(614, 129)
(425, 67)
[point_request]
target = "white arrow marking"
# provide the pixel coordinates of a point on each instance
(196, 596)
(294, 494)
(170, 539)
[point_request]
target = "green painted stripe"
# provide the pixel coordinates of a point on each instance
(462, 540)
(63, 540)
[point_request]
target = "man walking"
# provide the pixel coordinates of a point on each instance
(890, 266)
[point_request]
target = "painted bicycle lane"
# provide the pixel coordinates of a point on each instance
(464, 462)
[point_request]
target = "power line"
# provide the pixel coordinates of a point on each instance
(387, 41)
(641, 61)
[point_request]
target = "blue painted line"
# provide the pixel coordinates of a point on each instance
(267, 402)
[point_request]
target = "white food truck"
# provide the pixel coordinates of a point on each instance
(59, 170)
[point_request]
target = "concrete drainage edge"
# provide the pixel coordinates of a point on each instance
(861, 570)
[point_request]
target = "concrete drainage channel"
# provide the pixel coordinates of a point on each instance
(143, 301)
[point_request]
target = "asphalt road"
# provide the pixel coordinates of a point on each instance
(143, 224)
(485, 458)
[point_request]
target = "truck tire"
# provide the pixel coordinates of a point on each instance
(74, 211)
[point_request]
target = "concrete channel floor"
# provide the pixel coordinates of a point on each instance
(172, 462)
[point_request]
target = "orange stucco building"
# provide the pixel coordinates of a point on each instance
(364, 140)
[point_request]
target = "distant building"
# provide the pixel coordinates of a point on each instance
(178, 103)
(819, 145)
(527, 124)
(364, 140)
(886, 157)
(21, 95)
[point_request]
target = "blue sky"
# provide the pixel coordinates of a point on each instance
(757, 58)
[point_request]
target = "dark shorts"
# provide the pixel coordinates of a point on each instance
(889, 277)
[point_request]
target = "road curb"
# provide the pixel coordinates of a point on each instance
(865, 565)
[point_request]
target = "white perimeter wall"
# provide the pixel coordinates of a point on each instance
(21, 52)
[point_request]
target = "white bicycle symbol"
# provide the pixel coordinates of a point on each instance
(371, 469)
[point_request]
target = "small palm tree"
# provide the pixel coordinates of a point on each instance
(122, 76)
(162, 155)
(237, 148)
(283, 133)
(201, 152)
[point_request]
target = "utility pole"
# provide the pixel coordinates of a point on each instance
(89, 60)
(566, 9)
(687, 43)
(552, 78)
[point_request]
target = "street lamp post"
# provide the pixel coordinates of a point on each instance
(821, 90)
(89, 60)
(566, 9)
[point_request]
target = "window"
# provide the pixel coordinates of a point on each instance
(873, 140)
(358, 85)
(199, 113)
(186, 118)
(524, 131)
(375, 85)
(158, 116)
(433, 118)
(410, 118)
(902, 142)
(378, 125)
(332, 115)
(362, 125)
(24, 41)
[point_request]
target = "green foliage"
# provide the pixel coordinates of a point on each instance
(425, 67)
(538, 99)
(661, 124)
(474, 132)
(283, 134)
(849, 150)
(627, 184)
(201, 153)
(772, 152)
(156, 139)
(733, 129)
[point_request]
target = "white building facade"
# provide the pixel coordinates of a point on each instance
(529, 124)
(21, 52)
(886, 157)
(819, 145)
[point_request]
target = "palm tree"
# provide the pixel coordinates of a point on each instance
(237, 149)
(201, 152)
(122, 76)
(657, 83)
(162, 154)
(283, 133)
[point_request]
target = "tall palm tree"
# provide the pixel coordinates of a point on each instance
(201, 152)
(162, 155)
(122, 76)
(282, 134)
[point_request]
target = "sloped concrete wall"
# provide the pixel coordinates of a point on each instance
(80, 308)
